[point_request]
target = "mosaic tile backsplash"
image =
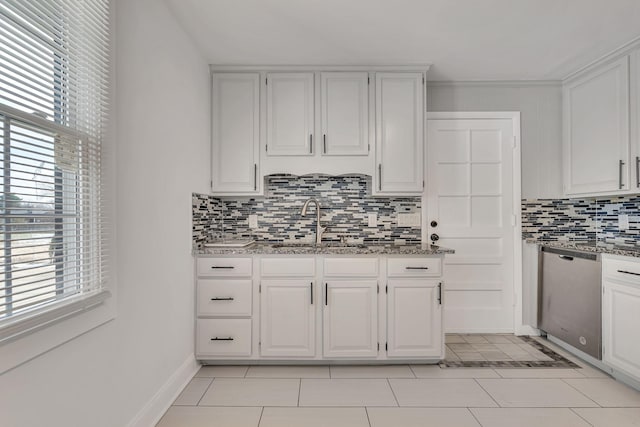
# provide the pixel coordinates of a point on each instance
(582, 219)
(345, 202)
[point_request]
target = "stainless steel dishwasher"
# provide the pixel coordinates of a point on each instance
(570, 298)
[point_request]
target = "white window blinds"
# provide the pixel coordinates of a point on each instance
(53, 104)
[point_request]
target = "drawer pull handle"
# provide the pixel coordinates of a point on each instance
(222, 339)
(629, 272)
(417, 268)
(225, 267)
(222, 299)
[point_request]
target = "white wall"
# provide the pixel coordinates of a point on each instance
(541, 124)
(106, 376)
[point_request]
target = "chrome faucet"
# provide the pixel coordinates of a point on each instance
(319, 229)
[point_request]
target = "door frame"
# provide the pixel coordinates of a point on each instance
(514, 116)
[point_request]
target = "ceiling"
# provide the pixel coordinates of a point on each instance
(463, 39)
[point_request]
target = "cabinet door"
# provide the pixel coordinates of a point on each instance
(287, 318)
(350, 319)
(399, 133)
(621, 318)
(290, 114)
(345, 114)
(635, 120)
(414, 318)
(235, 133)
(596, 131)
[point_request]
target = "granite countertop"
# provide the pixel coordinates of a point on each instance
(589, 246)
(271, 248)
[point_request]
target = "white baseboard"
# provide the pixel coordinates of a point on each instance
(155, 408)
(527, 330)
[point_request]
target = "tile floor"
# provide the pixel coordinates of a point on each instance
(403, 396)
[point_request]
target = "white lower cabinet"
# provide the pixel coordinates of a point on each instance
(350, 318)
(621, 314)
(414, 318)
(372, 308)
(287, 318)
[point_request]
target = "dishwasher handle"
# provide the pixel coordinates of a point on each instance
(566, 257)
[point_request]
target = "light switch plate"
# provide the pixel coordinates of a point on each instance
(253, 221)
(372, 220)
(623, 222)
(408, 220)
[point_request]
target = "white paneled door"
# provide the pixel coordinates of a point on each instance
(470, 207)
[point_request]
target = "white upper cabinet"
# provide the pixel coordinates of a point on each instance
(635, 120)
(345, 113)
(400, 109)
(596, 131)
(235, 133)
(290, 114)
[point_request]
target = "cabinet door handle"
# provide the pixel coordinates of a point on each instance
(416, 268)
(326, 294)
(628, 272)
(225, 267)
(311, 293)
(440, 293)
(620, 164)
(637, 171)
(222, 299)
(310, 144)
(324, 143)
(222, 339)
(379, 176)
(255, 177)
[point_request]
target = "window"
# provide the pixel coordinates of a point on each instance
(53, 94)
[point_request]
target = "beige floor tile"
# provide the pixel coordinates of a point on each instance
(252, 392)
(421, 417)
(608, 417)
(485, 347)
(200, 416)
(389, 371)
(435, 371)
(513, 349)
(539, 373)
(495, 356)
(528, 417)
(541, 393)
(314, 417)
(470, 356)
(498, 339)
(220, 371)
(193, 392)
(607, 392)
(454, 339)
(346, 392)
(475, 339)
(288, 372)
(451, 355)
(589, 371)
(458, 393)
(461, 347)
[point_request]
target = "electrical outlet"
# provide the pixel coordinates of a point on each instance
(408, 220)
(623, 222)
(253, 221)
(372, 220)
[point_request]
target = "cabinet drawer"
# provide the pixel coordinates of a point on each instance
(619, 269)
(414, 267)
(223, 337)
(346, 267)
(224, 297)
(288, 267)
(224, 267)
